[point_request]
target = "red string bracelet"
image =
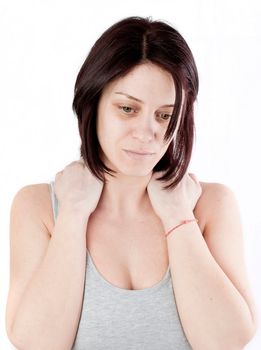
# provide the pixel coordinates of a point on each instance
(182, 223)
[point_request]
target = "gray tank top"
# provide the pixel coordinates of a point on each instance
(114, 318)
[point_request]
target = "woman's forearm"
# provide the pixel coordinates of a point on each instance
(213, 313)
(48, 314)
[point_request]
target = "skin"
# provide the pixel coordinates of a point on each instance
(136, 126)
(206, 260)
(181, 200)
(191, 261)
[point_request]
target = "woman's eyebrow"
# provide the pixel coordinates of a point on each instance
(136, 99)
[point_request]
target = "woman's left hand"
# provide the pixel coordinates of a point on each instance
(178, 202)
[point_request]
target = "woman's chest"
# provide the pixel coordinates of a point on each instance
(130, 255)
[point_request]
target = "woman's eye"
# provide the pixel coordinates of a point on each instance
(126, 109)
(129, 110)
(165, 116)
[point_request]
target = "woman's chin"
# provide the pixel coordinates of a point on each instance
(135, 172)
(131, 170)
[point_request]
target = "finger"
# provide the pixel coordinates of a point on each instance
(81, 161)
(78, 162)
(193, 176)
(158, 174)
(58, 174)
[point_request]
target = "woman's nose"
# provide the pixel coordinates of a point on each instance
(145, 129)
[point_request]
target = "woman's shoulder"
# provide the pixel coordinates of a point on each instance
(33, 189)
(213, 193)
(213, 197)
(215, 190)
(36, 199)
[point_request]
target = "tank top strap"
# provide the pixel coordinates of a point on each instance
(54, 200)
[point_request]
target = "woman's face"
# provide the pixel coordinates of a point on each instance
(133, 115)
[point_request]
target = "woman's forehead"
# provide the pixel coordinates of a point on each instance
(141, 83)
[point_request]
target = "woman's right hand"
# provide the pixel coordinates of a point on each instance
(75, 186)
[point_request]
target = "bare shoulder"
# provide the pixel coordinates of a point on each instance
(214, 191)
(36, 199)
(214, 198)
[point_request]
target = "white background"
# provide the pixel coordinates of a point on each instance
(43, 45)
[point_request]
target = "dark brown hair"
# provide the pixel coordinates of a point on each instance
(124, 45)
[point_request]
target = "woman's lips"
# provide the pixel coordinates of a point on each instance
(136, 155)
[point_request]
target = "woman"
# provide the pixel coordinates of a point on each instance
(164, 266)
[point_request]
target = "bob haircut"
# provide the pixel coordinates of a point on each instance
(130, 42)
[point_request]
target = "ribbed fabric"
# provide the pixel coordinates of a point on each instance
(114, 318)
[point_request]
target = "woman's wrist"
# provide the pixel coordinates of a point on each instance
(76, 211)
(176, 217)
(180, 225)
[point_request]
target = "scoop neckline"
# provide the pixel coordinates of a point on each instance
(113, 287)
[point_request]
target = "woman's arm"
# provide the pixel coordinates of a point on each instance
(47, 275)
(209, 274)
